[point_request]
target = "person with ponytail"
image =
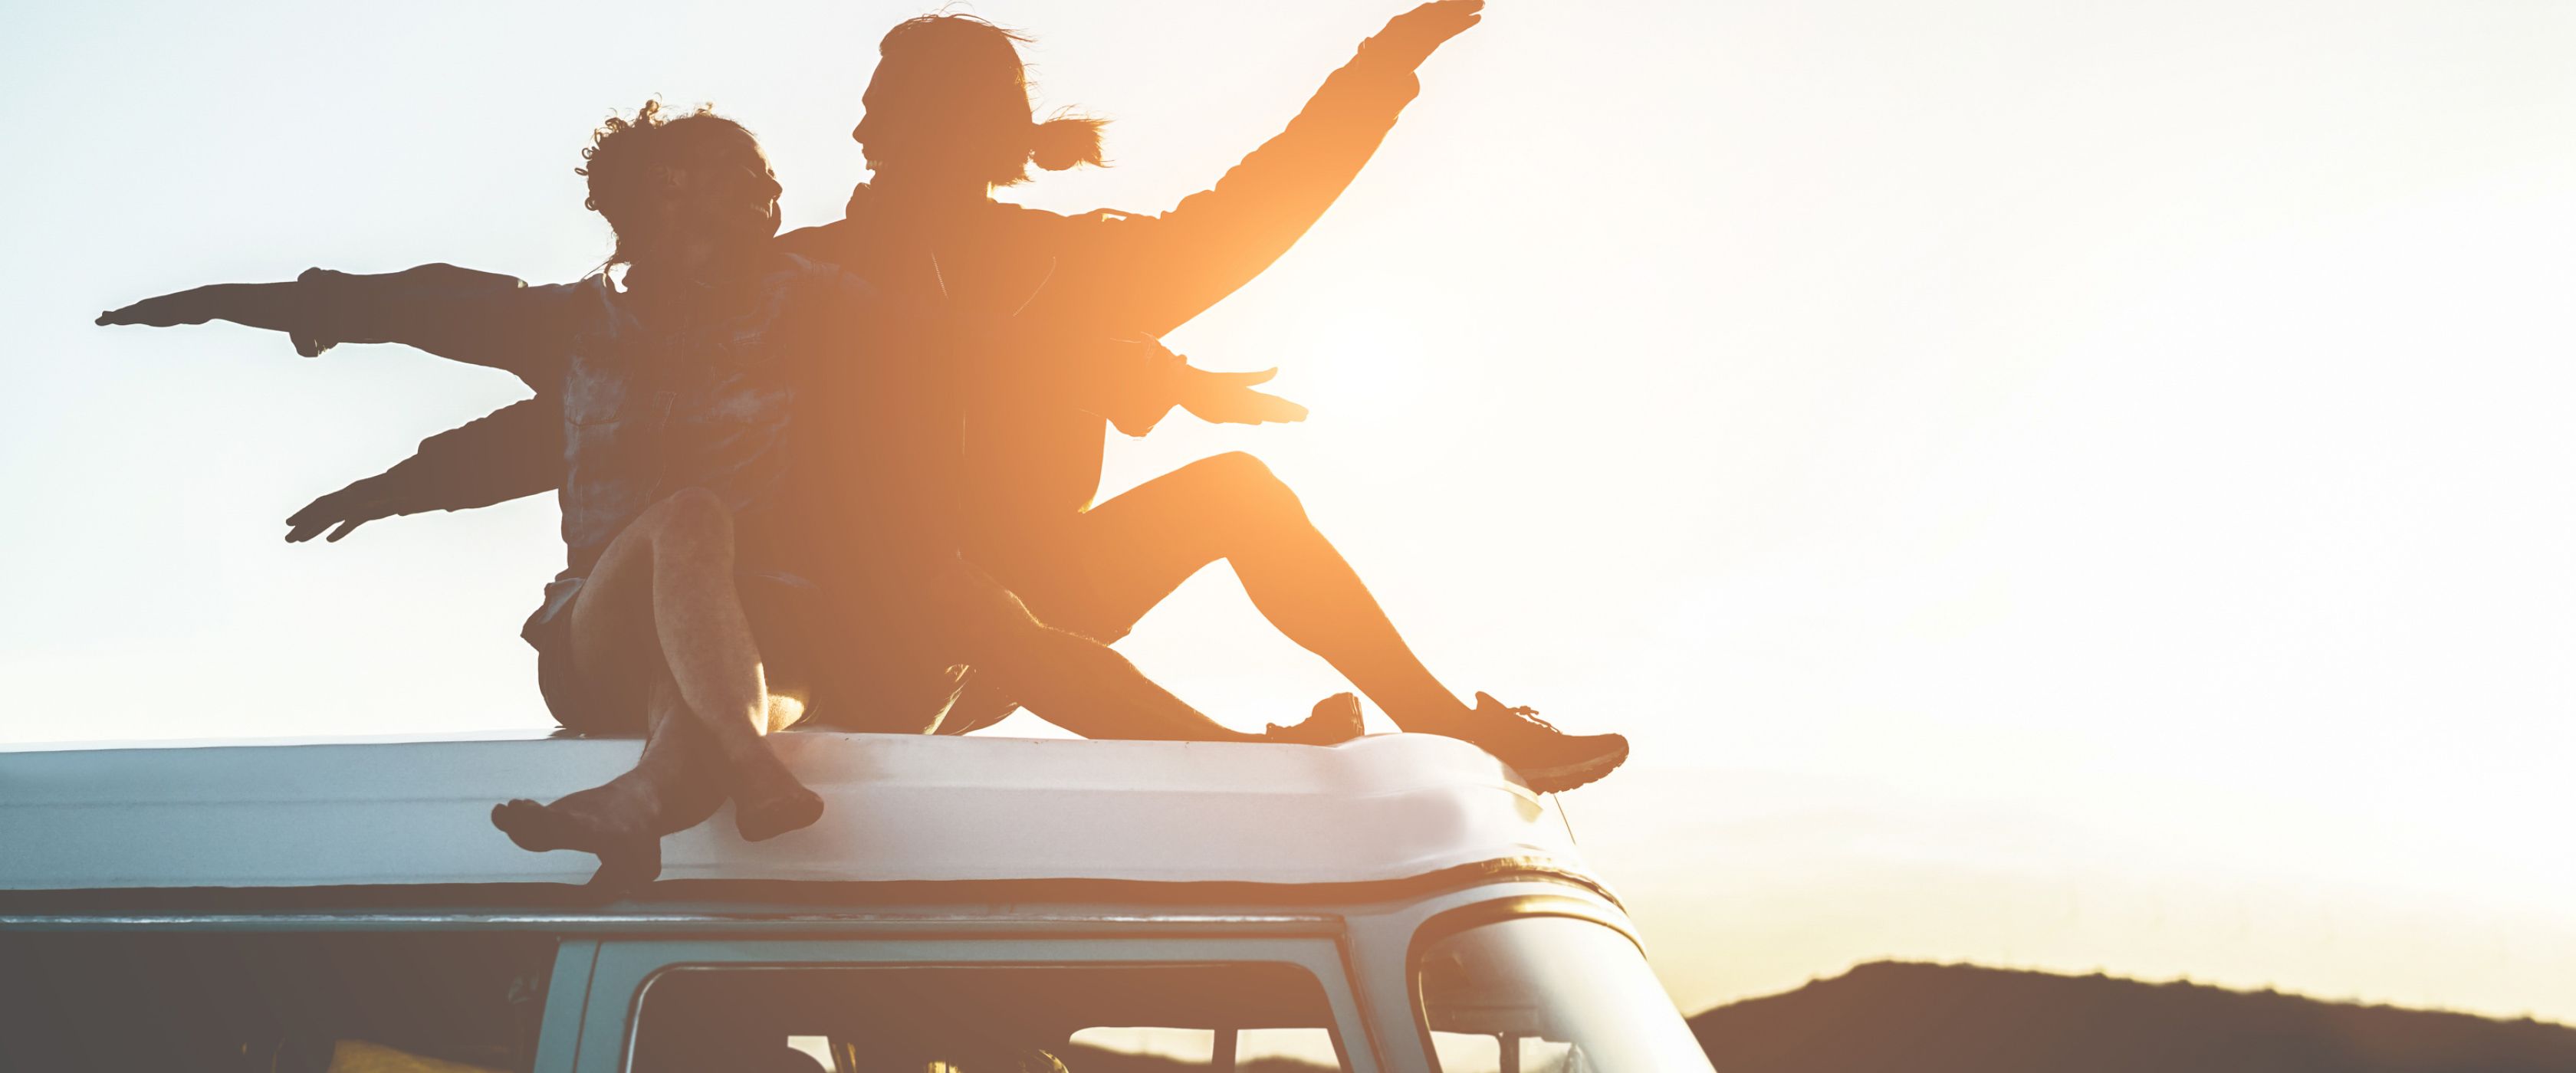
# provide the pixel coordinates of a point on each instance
(948, 120)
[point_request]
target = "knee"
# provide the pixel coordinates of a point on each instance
(1244, 483)
(691, 514)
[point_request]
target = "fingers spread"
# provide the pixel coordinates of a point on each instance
(1274, 408)
(1248, 407)
(315, 514)
(1234, 380)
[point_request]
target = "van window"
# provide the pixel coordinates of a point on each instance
(291, 1003)
(980, 1018)
(1547, 994)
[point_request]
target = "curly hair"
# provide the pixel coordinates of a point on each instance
(628, 160)
(962, 78)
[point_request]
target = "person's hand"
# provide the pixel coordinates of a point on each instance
(196, 305)
(363, 501)
(258, 305)
(1228, 398)
(1421, 31)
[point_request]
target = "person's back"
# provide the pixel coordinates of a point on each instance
(1031, 458)
(949, 119)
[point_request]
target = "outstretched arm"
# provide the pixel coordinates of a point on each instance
(259, 305)
(514, 451)
(456, 313)
(1160, 271)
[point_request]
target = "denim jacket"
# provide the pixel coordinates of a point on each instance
(643, 411)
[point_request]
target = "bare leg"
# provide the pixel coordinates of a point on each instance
(660, 625)
(1115, 562)
(663, 595)
(1136, 548)
(672, 788)
(1080, 684)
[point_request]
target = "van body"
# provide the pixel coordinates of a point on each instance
(1397, 904)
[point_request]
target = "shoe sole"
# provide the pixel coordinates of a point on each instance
(1556, 780)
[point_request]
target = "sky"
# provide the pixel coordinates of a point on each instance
(2071, 485)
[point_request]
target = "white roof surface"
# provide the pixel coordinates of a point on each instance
(900, 808)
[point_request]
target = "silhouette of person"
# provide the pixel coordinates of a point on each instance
(679, 612)
(947, 120)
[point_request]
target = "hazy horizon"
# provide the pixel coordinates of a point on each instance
(2059, 485)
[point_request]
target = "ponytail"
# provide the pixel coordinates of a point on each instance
(1066, 142)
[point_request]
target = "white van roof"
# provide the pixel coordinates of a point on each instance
(899, 808)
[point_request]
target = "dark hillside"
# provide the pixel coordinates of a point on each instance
(1924, 1018)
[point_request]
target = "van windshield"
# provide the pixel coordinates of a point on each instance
(1547, 994)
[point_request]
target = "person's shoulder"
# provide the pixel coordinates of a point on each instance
(804, 277)
(594, 285)
(821, 241)
(800, 267)
(833, 241)
(591, 295)
(1079, 235)
(552, 312)
(1070, 222)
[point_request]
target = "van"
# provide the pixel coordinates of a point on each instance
(1396, 904)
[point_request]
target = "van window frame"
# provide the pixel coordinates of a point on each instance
(1459, 920)
(626, 968)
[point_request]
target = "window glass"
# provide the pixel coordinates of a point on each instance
(980, 1019)
(292, 1003)
(1548, 994)
(818, 1048)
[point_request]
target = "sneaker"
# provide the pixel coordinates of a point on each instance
(1336, 719)
(1548, 759)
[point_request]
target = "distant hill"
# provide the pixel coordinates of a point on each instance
(1920, 1018)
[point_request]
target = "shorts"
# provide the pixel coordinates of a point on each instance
(783, 610)
(1052, 577)
(863, 671)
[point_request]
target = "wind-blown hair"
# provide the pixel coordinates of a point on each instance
(952, 88)
(629, 161)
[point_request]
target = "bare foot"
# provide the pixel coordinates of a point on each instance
(1336, 719)
(768, 801)
(783, 809)
(602, 821)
